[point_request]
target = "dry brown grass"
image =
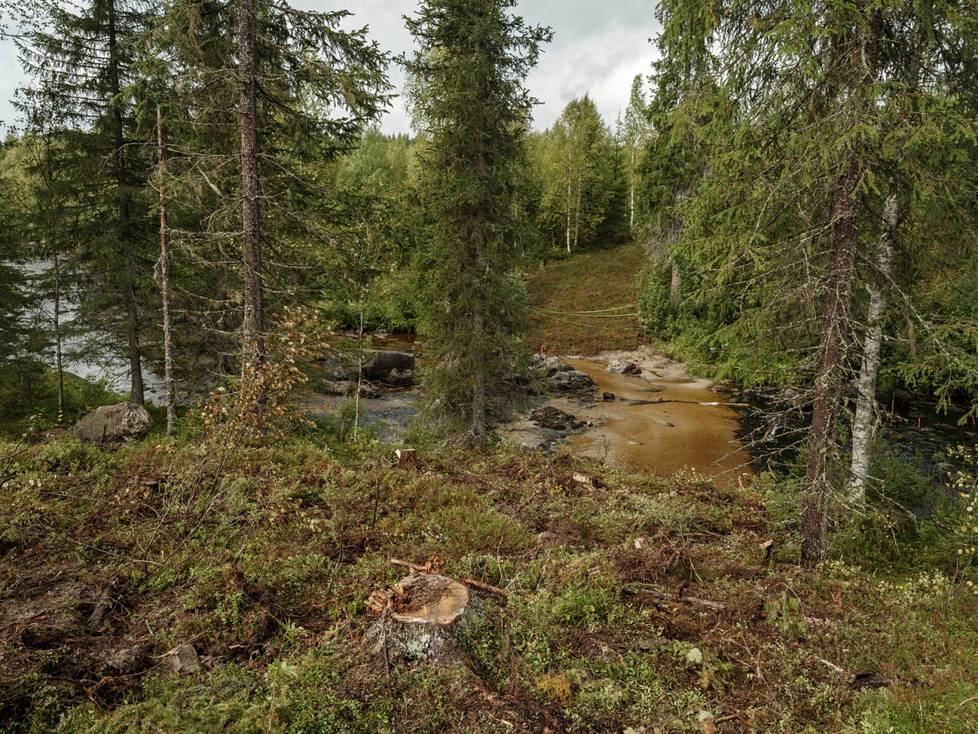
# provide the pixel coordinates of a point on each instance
(563, 291)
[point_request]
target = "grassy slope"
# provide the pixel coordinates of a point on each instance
(263, 558)
(588, 282)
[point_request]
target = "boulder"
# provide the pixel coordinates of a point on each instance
(382, 362)
(183, 659)
(349, 387)
(550, 365)
(571, 381)
(399, 378)
(114, 424)
(556, 419)
(377, 364)
(624, 367)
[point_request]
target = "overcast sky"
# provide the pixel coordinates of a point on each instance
(598, 47)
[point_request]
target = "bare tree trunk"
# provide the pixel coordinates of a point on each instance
(568, 218)
(631, 191)
(254, 315)
(124, 219)
(356, 398)
(478, 374)
(58, 354)
(830, 366)
(478, 394)
(171, 398)
(864, 422)
(675, 286)
(577, 217)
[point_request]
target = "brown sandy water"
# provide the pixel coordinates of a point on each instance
(661, 421)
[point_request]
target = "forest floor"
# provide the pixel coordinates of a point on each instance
(630, 603)
(587, 303)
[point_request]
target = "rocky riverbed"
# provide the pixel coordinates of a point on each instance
(637, 410)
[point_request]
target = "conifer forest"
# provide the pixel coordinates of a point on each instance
(489, 366)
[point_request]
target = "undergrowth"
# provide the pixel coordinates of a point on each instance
(262, 557)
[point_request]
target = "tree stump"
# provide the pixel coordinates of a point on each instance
(421, 618)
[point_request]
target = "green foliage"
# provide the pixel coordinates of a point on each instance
(738, 180)
(583, 190)
(29, 398)
(271, 553)
(656, 312)
(908, 521)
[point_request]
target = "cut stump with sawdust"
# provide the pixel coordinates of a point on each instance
(421, 618)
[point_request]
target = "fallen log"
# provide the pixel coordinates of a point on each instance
(656, 595)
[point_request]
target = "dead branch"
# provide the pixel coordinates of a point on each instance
(642, 590)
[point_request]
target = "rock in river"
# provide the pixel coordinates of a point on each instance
(571, 381)
(377, 364)
(556, 419)
(624, 367)
(550, 365)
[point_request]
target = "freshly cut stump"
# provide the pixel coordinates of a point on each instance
(421, 618)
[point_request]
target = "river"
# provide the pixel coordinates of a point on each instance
(112, 370)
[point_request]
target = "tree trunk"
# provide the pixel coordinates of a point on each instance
(124, 220)
(577, 217)
(478, 389)
(675, 286)
(356, 399)
(830, 365)
(568, 218)
(864, 422)
(58, 354)
(631, 191)
(254, 316)
(171, 400)
(831, 358)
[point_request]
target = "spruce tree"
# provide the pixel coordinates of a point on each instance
(470, 102)
(806, 127)
(80, 62)
(253, 121)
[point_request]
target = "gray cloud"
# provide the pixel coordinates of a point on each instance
(598, 48)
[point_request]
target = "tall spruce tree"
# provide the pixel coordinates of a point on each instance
(80, 60)
(470, 101)
(254, 119)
